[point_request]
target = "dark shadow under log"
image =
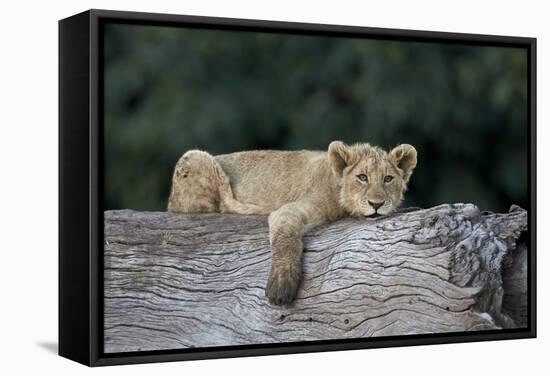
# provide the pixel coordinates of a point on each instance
(175, 281)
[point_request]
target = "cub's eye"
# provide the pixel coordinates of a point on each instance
(363, 177)
(388, 178)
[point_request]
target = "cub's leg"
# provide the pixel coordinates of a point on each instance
(199, 185)
(229, 204)
(286, 229)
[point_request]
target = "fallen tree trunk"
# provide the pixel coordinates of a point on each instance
(175, 281)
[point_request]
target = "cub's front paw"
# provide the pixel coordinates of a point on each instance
(282, 285)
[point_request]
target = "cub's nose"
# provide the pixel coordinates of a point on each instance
(376, 205)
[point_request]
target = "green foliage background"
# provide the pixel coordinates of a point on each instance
(169, 89)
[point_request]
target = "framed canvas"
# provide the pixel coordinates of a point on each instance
(235, 187)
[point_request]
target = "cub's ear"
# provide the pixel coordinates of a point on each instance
(404, 157)
(339, 156)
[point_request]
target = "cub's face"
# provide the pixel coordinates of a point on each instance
(372, 180)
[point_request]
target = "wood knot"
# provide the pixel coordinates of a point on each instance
(433, 219)
(515, 208)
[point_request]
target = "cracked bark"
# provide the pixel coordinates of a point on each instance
(175, 281)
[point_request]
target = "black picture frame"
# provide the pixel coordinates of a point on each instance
(80, 187)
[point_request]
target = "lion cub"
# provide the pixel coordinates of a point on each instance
(297, 189)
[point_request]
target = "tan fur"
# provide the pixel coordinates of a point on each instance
(297, 189)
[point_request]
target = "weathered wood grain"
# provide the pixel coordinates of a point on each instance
(175, 281)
